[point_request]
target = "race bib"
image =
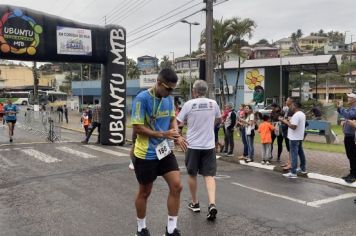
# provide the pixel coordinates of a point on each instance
(163, 150)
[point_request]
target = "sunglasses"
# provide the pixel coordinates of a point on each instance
(169, 89)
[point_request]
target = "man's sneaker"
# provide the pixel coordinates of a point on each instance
(230, 154)
(346, 177)
(268, 163)
(300, 171)
(263, 162)
(175, 233)
(10, 140)
(247, 160)
(212, 211)
(144, 232)
(194, 207)
(290, 175)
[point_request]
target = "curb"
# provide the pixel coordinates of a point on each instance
(326, 178)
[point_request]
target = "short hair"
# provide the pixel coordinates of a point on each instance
(265, 117)
(168, 75)
(230, 104)
(200, 87)
(96, 101)
(274, 105)
(297, 105)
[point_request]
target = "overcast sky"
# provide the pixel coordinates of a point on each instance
(275, 19)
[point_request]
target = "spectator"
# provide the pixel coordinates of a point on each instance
(60, 113)
(265, 129)
(95, 123)
(66, 113)
(296, 128)
(241, 128)
(201, 155)
(349, 132)
(2, 113)
(250, 125)
(85, 121)
(229, 125)
(288, 113)
(275, 114)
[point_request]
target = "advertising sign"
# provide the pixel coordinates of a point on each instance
(252, 78)
(74, 41)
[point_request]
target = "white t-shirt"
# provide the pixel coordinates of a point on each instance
(297, 119)
(200, 114)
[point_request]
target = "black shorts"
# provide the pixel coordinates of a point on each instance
(147, 170)
(11, 121)
(201, 161)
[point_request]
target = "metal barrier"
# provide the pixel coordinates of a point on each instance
(41, 123)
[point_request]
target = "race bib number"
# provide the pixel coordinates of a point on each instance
(163, 150)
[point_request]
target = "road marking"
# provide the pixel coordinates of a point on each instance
(40, 156)
(108, 151)
(330, 179)
(272, 194)
(7, 161)
(75, 152)
(222, 177)
(331, 199)
(123, 148)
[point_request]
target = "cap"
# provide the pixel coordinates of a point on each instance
(351, 95)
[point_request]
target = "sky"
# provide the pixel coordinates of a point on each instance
(275, 19)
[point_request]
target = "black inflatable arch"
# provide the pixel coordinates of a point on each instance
(30, 35)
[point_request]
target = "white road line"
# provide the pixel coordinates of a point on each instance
(40, 156)
(75, 152)
(330, 179)
(108, 151)
(8, 162)
(123, 148)
(273, 194)
(331, 199)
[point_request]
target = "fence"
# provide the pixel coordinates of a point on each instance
(43, 123)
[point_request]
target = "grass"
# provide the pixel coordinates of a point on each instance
(324, 147)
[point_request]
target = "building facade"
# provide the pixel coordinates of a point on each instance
(147, 64)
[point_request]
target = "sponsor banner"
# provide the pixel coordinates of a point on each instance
(252, 78)
(74, 41)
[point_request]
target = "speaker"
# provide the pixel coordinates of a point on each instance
(202, 69)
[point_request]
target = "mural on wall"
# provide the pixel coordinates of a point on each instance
(252, 78)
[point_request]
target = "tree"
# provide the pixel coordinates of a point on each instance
(263, 42)
(165, 63)
(184, 87)
(132, 70)
(239, 29)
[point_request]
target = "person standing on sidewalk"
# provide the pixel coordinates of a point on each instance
(1, 113)
(349, 132)
(96, 122)
(241, 128)
(201, 114)
(10, 111)
(296, 128)
(249, 124)
(153, 120)
(65, 110)
(275, 114)
(265, 129)
(229, 125)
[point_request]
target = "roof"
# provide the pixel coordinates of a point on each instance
(264, 48)
(288, 40)
(314, 37)
(322, 63)
(146, 56)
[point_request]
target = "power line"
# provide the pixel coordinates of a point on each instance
(66, 6)
(159, 30)
(152, 22)
(132, 9)
(84, 8)
(118, 8)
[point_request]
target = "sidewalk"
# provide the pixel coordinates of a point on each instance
(325, 166)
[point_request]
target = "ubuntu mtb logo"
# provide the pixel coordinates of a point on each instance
(19, 33)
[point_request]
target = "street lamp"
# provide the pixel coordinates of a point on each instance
(190, 53)
(280, 77)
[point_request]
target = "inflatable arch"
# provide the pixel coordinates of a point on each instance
(30, 35)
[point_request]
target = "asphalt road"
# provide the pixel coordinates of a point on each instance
(73, 189)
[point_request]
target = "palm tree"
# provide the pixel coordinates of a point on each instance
(221, 35)
(239, 29)
(133, 71)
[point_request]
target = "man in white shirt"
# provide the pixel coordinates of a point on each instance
(201, 114)
(296, 128)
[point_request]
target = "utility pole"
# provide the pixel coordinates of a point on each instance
(350, 70)
(35, 84)
(209, 69)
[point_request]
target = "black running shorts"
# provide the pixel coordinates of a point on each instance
(147, 170)
(201, 161)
